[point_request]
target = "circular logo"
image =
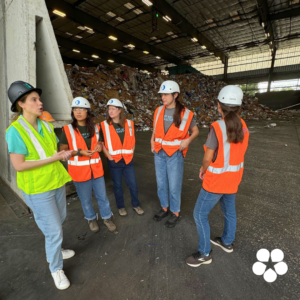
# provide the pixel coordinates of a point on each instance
(77, 102)
(111, 101)
(163, 88)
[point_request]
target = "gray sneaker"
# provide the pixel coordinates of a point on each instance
(110, 224)
(139, 210)
(122, 212)
(94, 225)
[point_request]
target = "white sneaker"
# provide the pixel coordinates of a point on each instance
(60, 279)
(67, 253)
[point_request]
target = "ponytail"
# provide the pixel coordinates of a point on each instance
(19, 108)
(178, 109)
(234, 126)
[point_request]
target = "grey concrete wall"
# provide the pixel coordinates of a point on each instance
(29, 52)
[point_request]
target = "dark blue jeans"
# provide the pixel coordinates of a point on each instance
(117, 171)
(205, 203)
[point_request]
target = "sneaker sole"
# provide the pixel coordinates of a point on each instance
(217, 244)
(203, 263)
(63, 288)
(123, 215)
(67, 257)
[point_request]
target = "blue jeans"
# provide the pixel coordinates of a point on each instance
(169, 176)
(49, 210)
(117, 170)
(205, 202)
(84, 190)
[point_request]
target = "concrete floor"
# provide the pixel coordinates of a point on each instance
(145, 260)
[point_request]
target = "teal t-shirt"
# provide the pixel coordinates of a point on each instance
(15, 142)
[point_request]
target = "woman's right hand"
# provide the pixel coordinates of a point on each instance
(87, 153)
(152, 146)
(62, 155)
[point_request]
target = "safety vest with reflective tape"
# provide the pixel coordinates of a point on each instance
(113, 143)
(224, 175)
(170, 142)
(45, 178)
(81, 168)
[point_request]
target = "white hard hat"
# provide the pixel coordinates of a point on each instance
(80, 102)
(231, 95)
(115, 102)
(169, 87)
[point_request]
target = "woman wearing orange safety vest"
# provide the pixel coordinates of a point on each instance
(221, 172)
(169, 143)
(85, 165)
(119, 144)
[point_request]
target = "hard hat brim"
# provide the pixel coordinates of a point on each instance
(13, 107)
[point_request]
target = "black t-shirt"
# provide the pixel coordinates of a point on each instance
(85, 134)
(120, 131)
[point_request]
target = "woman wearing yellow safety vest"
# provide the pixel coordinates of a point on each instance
(85, 165)
(169, 143)
(32, 145)
(221, 172)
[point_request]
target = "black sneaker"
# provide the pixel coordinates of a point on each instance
(160, 215)
(198, 258)
(173, 220)
(218, 242)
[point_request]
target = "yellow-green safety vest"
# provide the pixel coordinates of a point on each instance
(45, 178)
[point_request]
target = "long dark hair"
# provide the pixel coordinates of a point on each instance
(122, 118)
(234, 126)
(178, 109)
(89, 123)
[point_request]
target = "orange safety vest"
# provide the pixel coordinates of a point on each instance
(113, 143)
(81, 168)
(224, 175)
(171, 141)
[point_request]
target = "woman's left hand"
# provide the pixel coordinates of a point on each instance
(184, 144)
(201, 174)
(98, 148)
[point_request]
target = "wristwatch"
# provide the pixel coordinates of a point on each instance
(78, 152)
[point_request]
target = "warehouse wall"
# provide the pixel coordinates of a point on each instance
(29, 52)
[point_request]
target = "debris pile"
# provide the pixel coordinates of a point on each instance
(138, 91)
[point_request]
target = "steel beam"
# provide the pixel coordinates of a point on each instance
(185, 26)
(263, 11)
(69, 44)
(100, 26)
(225, 68)
(285, 14)
(271, 70)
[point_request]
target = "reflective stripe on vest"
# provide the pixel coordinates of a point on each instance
(168, 143)
(75, 162)
(47, 126)
(34, 140)
(85, 162)
(159, 110)
(108, 138)
(184, 119)
(226, 146)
